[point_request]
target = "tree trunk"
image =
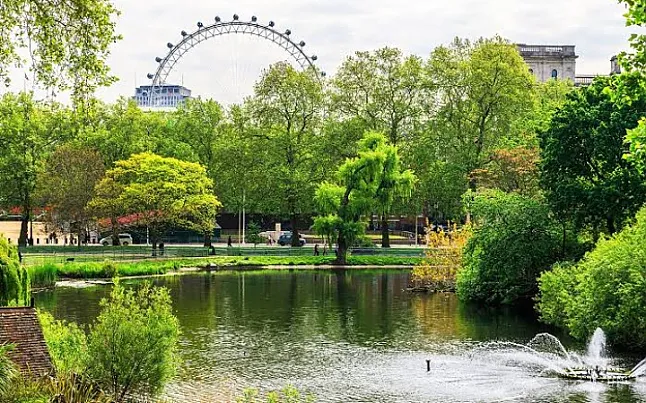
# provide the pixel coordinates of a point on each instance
(207, 239)
(154, 243)
(115, 231)
(24, 226)
(296, 240)
(385, 233)
(341, 251)
(611, 225)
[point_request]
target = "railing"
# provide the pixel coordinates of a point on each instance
(584, 80)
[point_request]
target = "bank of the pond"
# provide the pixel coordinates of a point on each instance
(47, 274)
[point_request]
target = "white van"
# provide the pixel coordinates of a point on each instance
(124, 240)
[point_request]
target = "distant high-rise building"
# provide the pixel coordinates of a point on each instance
(167, 96)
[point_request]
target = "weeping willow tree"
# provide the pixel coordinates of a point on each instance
(14, 279)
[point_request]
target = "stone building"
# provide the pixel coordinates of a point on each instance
(548, 61)
(557, 61)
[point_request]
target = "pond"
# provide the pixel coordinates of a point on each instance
(353, 336)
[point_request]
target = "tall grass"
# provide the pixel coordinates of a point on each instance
(47, 274)
(44, 275)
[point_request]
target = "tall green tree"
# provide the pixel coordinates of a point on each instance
(29, 131)
(359, 183)
(584, 174)
(484, 89)
(158, 192)
(67, 184)
(287, 108)
(384, 91)
(65, 43)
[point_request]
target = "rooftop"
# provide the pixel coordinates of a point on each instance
(21, 328)
(546, 50)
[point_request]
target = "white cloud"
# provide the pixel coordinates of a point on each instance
(226, 67)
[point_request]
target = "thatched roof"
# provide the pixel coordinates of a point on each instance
(21, 328)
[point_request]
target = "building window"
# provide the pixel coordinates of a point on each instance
(555, 74)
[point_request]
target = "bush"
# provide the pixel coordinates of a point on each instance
(606, 290)
(14, 279)
(66, 342)
(133, 345)
(514, 240)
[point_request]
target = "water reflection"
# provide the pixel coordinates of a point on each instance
(344, 336)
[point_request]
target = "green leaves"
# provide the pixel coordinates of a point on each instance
(14, 279)
(158, 191)
(514, 240)
(583, 172)
(605, 289)
(68, 42)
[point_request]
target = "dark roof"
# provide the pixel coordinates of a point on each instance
(20, 327)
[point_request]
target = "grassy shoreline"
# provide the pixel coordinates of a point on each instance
(46, 275)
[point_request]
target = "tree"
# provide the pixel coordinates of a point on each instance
(133, 345)
(635, 17)
(484, 89)
(67, 185)
(359, 182)
(514, 240)
(67, 42)
(14, 279)
(583, 171)
(383, 90)
(287, 108)
(29, 132)
(511, 170)
(67, 344)
(158, 192)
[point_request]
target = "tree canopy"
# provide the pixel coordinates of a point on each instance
(158, 191)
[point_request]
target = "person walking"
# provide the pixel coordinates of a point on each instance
(316, 250)
(229, 244)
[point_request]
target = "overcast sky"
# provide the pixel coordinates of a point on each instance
(226, 67)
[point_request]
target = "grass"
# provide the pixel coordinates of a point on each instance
(47, 274)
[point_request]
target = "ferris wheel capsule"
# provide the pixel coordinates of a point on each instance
(254, 19)
(184, 33)
(302, 43)
(271, 23)
(169, 45)
(158, 59)
(288, 32)
(200, 25)
(315, 58)
(235, 17)
(217, 19)
(150, 76)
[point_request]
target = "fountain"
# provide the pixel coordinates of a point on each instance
(547, 354)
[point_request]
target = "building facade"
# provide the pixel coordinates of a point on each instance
(167, 96)
(558, 61)
(549, 61)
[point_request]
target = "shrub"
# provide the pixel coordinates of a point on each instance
(133, 345)
(606, 289)
(14, 279)
(514, 240)
(66, 342)
(438, 270)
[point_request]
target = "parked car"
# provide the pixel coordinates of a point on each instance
(124, 240)
(286, 239)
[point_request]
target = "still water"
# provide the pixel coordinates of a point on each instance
(352, 336)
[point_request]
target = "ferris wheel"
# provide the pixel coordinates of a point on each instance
(294, 49)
